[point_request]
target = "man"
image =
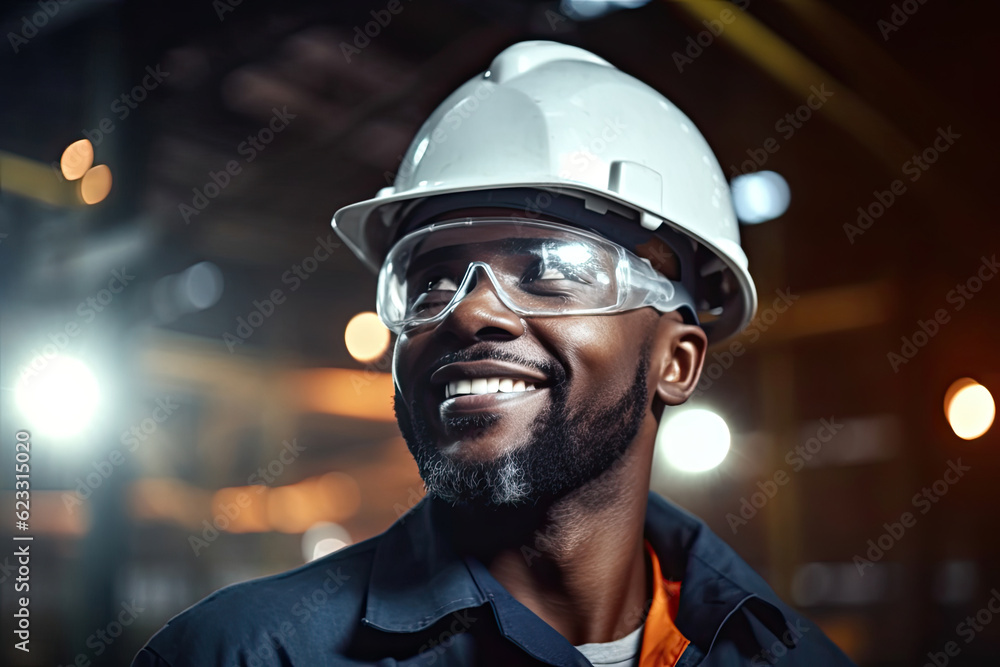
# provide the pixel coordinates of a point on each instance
(556, 253)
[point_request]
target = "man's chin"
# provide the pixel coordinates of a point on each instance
(493, 482)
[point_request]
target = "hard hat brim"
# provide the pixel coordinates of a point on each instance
(370, 227)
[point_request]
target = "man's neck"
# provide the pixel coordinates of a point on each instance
(579, 562)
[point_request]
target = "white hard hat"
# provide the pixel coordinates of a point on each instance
(558, 119)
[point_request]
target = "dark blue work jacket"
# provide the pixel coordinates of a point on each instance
(406, 598)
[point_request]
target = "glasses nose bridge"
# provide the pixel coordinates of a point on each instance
(472, 281)
(487, 312)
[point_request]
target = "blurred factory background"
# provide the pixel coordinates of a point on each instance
(207, 391)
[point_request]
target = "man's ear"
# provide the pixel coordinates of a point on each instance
(678, 356)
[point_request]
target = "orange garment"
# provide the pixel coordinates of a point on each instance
(662, 642)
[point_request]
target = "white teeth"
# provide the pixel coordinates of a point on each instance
(486, 386)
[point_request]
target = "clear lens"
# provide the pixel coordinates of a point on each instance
(537, 268)
(535, 273)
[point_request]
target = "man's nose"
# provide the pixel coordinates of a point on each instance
(480, 314)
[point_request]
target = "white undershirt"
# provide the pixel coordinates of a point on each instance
(622, 652)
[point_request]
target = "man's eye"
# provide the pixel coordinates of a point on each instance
(437, 293)
(554, 273)
(441, 284)
(551, 274)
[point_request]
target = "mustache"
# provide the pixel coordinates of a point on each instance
(492, 353)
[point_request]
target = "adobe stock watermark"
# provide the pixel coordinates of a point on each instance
(697, 44)
(631, 619)
(87, 310)
(435, 648)
(106, 466)
(373, 369)
(770, 655)
(412, 499)
(796, 458)
(914, 168)
(786, 126)
(126, 103)
(924, 500)
(47, 10)
(898, 17)
(314, 603)
(7, 570)
(555, 21)
(721, 361)
(269, 649)
(230, 511)
(266, 651)
(958, 297)
(223, 7)
(294, 277)
(548, 540)
(440, 135)
(587, 153)
(967, 629)
(249, 148)
(102, 638)
(363, 35)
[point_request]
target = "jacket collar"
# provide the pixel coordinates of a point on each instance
(417, 578)
(715, 581)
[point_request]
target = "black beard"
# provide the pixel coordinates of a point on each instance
(565, 451)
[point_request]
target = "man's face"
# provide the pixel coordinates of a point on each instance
(591, 393)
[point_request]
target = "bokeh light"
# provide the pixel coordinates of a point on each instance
(323, 538)
(366, 337)
(96, 184)
(199, 286)
(970, 408)
(760, 196)
(76, 159)
(693, 440)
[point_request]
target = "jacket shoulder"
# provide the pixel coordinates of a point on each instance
(293, 617)
(761, 629)
(747, 639)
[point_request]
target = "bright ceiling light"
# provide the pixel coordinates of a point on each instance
(584, 10)
(61, 398)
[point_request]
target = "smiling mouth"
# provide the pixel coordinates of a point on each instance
(475, 385)
(492, 385)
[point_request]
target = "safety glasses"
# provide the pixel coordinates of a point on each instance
(536, 269)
